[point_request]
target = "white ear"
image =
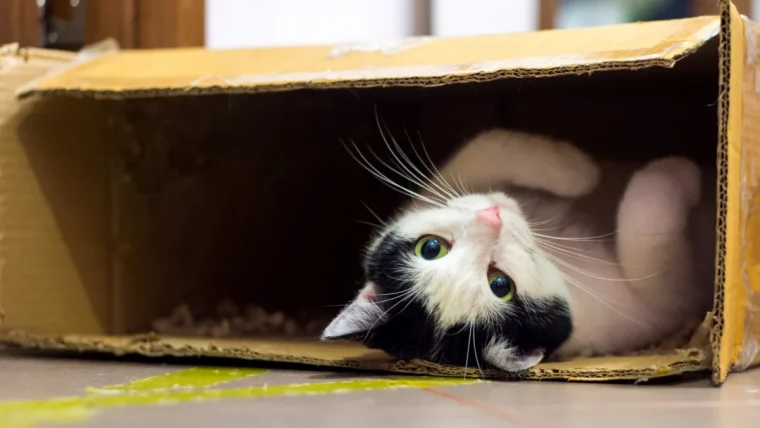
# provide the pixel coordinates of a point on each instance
(504, 357)
(362, 315)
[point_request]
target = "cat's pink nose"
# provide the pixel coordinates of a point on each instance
(490, 216)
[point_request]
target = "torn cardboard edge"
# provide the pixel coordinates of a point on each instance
(356, 357)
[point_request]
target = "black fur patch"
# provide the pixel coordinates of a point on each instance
(410, 331)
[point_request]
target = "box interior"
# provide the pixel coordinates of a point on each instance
(254, 198)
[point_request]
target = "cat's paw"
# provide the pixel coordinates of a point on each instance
(531, 160)
(582, 173)
(679, 175)
(508, 359)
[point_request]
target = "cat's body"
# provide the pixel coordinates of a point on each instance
(596, 259)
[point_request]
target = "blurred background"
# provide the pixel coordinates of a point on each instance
(71, 24)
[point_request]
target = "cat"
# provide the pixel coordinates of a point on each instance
(504, 257)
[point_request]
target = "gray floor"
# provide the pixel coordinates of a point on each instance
(37, 392)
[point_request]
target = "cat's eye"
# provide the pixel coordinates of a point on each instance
(431, 247)
(501, 285)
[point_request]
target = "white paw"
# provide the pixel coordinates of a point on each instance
(681, 172)
(583, 173)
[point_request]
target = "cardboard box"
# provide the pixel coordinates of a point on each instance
(136, 181)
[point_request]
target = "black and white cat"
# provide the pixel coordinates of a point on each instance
(516, 275)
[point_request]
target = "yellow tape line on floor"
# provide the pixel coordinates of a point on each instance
(192, 385)
(199, 377)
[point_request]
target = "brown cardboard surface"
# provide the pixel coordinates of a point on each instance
(416, 62)
(742, 345)
(57, 288)
(735, 336)
(750, 181)
(354, 356)
(65, 267)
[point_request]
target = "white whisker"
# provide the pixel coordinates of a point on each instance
(467, 354)
(608, 304)
(374, 214)
(591, 275)
(381, 316)
(437, 174)
(399, 155)
(412, 180)
(475, 348)
(364, 163)
(558, 245)
(421, 175)
(579, 239)
(433, 173)
(577, 255)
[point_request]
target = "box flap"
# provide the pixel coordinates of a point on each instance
(62, 287)
(414, 61)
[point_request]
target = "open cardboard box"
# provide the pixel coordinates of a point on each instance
(131, 182)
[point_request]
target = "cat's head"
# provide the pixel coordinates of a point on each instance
(459, 284)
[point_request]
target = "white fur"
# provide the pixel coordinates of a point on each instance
(456, 287)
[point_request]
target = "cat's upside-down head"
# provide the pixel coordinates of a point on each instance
(461, 283)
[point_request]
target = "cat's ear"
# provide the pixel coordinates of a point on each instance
(360, 316)
(504, 357)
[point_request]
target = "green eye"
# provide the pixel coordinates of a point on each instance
(431, 247)
(501, 285)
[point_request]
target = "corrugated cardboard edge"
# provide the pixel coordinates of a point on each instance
(67, 59)
(353, 79)
(726, 326)
(636, 368)
(432, 81)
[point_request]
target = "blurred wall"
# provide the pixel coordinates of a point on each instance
(248, 23)
(244, 23)
(252, 23)
(471, 17)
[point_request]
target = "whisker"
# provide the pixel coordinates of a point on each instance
(565, 246)
(374, 214)
(462, 185)
(406, 297)
(412, 180)
(392, 298)
(364, 163)
(369, 223)
(600, 298)
(591, 275)
(578, 239)
(366, 335)
(576, 255)
(394, 293)
(608, 304)
(475, 348)
(421, 175)
(384, 133)
(467, 354)
(432, 164)
(440, 183)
